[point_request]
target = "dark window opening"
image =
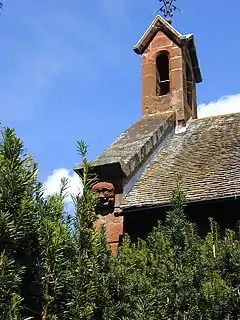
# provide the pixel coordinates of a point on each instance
(189, 86)
(163, 82)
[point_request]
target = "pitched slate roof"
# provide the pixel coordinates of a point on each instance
(206, 155)
(134, 145)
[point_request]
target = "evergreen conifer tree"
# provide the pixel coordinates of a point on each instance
(18, 225)
(58, 266)
(89, 295)
(57, 251)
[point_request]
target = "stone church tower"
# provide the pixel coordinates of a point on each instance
(170, 71)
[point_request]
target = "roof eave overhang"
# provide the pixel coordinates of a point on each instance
(114, 171)
(194, 58)
(127, 210)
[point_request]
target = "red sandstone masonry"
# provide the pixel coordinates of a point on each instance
(150, 102)
(114, 229)
(176, 99)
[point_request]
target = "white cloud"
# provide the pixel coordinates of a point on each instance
(224, 105)
(53, 183)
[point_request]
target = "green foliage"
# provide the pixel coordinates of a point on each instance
(52, 265)
(175, 274)
(18, 222)
(56, 255)
(58, 266)
(89, 290)
(10, 279)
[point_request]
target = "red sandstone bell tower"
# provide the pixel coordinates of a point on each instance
(170, 71)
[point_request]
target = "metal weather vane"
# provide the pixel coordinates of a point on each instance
(167, 8)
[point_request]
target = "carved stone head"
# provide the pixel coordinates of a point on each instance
(106, 194)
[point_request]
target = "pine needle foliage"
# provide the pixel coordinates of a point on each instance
(57, 250)
(175, 274)
(18, 225)
(52, 265)
(56, 265)
(89, 291)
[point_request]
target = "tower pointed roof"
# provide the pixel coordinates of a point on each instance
(160, 24)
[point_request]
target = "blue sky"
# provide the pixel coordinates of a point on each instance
(68, 71)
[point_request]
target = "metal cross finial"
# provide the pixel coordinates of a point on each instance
(167, 8)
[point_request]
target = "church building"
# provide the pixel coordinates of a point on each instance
(138, 172)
